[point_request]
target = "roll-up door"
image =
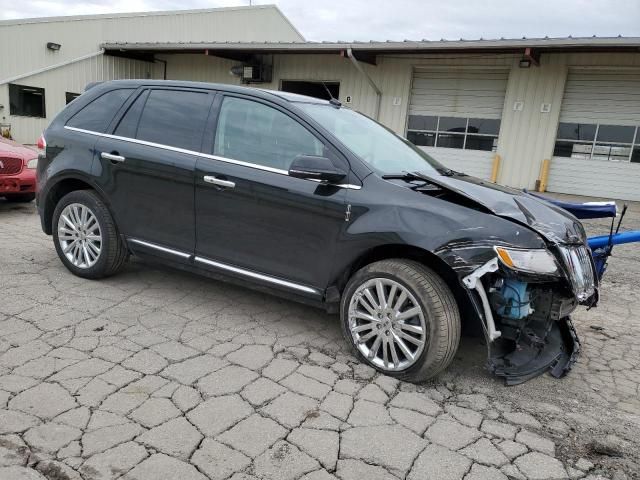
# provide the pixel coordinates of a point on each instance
(597, 149)
(454, 115)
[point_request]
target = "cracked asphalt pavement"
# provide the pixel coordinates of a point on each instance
(157, 374)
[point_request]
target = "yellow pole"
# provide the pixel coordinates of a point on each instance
(544, 175)
(495, 168)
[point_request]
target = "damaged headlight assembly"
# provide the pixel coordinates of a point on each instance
(539, 261)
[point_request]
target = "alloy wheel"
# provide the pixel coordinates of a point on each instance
(387, 324)
(79, 235)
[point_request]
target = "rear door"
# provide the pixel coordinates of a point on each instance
(253, 219)
(147, 167)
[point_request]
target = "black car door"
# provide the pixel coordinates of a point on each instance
(147, 167)
(252, 218)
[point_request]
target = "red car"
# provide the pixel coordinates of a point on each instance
(17, 171)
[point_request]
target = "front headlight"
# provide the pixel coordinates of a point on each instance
(531, 261)
(33, 163)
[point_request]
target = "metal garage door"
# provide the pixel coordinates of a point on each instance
(597, 150)
(454, 115)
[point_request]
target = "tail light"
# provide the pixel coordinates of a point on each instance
(42, 143)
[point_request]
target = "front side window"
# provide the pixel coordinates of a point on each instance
(256, 133)
(175, 118)
(454, 132)
(598, 142)
(97, 115)
(26, 101)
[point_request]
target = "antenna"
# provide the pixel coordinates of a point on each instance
(332, 99)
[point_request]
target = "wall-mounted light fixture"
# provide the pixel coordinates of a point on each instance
(53, 46)
(524, 63)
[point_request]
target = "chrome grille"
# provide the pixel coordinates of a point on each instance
(10, 166)
(579, 265)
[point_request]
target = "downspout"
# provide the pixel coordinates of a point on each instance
(356, 64)
(51, 67)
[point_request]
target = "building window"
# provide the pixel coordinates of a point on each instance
(618, 143)
(26, 101)
(70, 97)
(454, 132)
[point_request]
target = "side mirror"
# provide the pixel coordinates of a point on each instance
(311, 167)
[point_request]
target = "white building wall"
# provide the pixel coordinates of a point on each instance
(23, 49)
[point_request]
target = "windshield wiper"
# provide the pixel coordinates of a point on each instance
(402, 176)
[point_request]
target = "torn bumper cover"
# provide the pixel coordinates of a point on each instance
(527, 336)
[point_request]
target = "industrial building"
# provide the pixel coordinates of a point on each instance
(563, 114)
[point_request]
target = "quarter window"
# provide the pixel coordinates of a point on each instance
(175, 118)
(598, 142)
(26, 101)
(97, 115)
(454, 132)
(256, 133)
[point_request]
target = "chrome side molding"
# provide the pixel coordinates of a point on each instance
(229, 268)
(258, 276)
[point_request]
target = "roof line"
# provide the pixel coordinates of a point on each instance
(286, 19)
(97, 16)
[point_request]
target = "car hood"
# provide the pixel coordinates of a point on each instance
(16, 150)
(553, 223)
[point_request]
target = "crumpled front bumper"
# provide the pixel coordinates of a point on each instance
(23, 182)
(560, 352)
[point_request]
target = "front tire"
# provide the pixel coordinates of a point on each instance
(401, 318)
(86, 237)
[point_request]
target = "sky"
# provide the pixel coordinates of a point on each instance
(394, 19)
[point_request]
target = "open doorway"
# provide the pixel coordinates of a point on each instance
(323, 90)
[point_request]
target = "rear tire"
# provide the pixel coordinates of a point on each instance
(86, 237)
(21, 198)
(428, 313)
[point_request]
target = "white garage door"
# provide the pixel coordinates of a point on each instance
(454, 115)
(597, 150)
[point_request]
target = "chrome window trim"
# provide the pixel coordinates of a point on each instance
(159, 247)
(199, 154)
(256, 275)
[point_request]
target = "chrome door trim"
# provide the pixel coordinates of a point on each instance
(258, 276)
(112, 157)
(219, 181)
(199, 154)
(159, 247)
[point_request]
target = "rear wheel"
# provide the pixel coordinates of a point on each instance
(21, 197)
(401, 318)
(85, 236)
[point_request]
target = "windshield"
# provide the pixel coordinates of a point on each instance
(386, 152)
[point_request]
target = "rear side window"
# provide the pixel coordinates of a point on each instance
(175, 118)
(128, 126)
(97, 115)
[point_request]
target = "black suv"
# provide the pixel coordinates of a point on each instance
(311, 200)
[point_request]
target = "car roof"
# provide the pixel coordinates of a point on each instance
(260, 92)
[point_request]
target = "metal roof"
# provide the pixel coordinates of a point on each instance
(381, 47)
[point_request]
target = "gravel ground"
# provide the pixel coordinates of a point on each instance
(156, 374)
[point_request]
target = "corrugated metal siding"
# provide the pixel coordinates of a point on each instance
(23, 46)
(605, 97)
(595, 178)
(472, 162)
(458, 92)
(602, 97)
(72, 78)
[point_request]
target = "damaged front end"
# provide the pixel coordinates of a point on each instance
(525, 313)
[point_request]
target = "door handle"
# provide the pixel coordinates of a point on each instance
(219, 181)
(112, 157)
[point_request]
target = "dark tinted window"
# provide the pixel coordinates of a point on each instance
(128, 126)
(576, 131)
(26, 101)
(70, 97)
(452, 124)
(175, 118)
(448, 140)
(422, 122)
(97, 115)
(256, 133)
(485, 126)
(615, 133)
(479, 142)
(423, 139)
